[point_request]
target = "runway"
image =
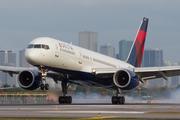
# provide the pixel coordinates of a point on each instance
(148, 111)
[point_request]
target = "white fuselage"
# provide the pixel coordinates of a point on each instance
(61, 55)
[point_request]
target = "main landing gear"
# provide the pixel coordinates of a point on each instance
(43, 75)
(118, 99)
(65, 99)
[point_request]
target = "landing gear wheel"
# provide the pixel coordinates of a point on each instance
(46, 86)
(114, 100)
(123, 99)
(70, 99)
(61, 100)
(42, 86)
(118, 100)
(65, 99)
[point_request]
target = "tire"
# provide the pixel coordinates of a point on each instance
(120, 100)
(114, 100)
(123, 100)
(42, 86)
(61, 100)
(70, 99)
(66, 99)
(47, 87)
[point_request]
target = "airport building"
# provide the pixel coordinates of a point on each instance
(108, 50)
(89, 40)
(22, 59)
(124, 48)
(7, 58)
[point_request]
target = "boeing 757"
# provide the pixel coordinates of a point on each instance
(71, 64)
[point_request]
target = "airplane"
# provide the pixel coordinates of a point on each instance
(71, 64)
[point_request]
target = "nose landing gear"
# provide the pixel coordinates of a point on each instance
(43, 75)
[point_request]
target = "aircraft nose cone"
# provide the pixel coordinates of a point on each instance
(32, 56)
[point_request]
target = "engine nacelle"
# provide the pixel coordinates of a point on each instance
(125, 79)
(29, 79)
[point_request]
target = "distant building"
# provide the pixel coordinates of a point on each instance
(117, 56)
(174, 81)
(153, 57)
(22, 59)
(108, 50)
(7, 58)
(124, 49)
(89, 40)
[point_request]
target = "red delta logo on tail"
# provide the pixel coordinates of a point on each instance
(136, 53)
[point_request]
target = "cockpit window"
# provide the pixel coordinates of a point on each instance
(47, 47)
(30, 46)
(38, 46)
(44, 46)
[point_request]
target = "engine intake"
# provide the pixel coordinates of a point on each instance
(125, 79)
(29, 79)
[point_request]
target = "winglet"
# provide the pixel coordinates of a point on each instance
(137, 49)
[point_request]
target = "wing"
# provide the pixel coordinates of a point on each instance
(144, 73)
(13, 70)
(147, 73)
(16, 70)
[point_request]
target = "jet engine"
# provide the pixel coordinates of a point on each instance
(29, 79)
(125, 79)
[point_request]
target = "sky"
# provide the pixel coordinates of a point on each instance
(22, 21)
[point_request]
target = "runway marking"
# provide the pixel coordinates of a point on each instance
(111, 112)
(104, 117)
(101, 117)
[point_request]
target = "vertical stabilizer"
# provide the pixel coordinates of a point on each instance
(137, 49)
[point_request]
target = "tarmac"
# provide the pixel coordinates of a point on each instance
(92, 110)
